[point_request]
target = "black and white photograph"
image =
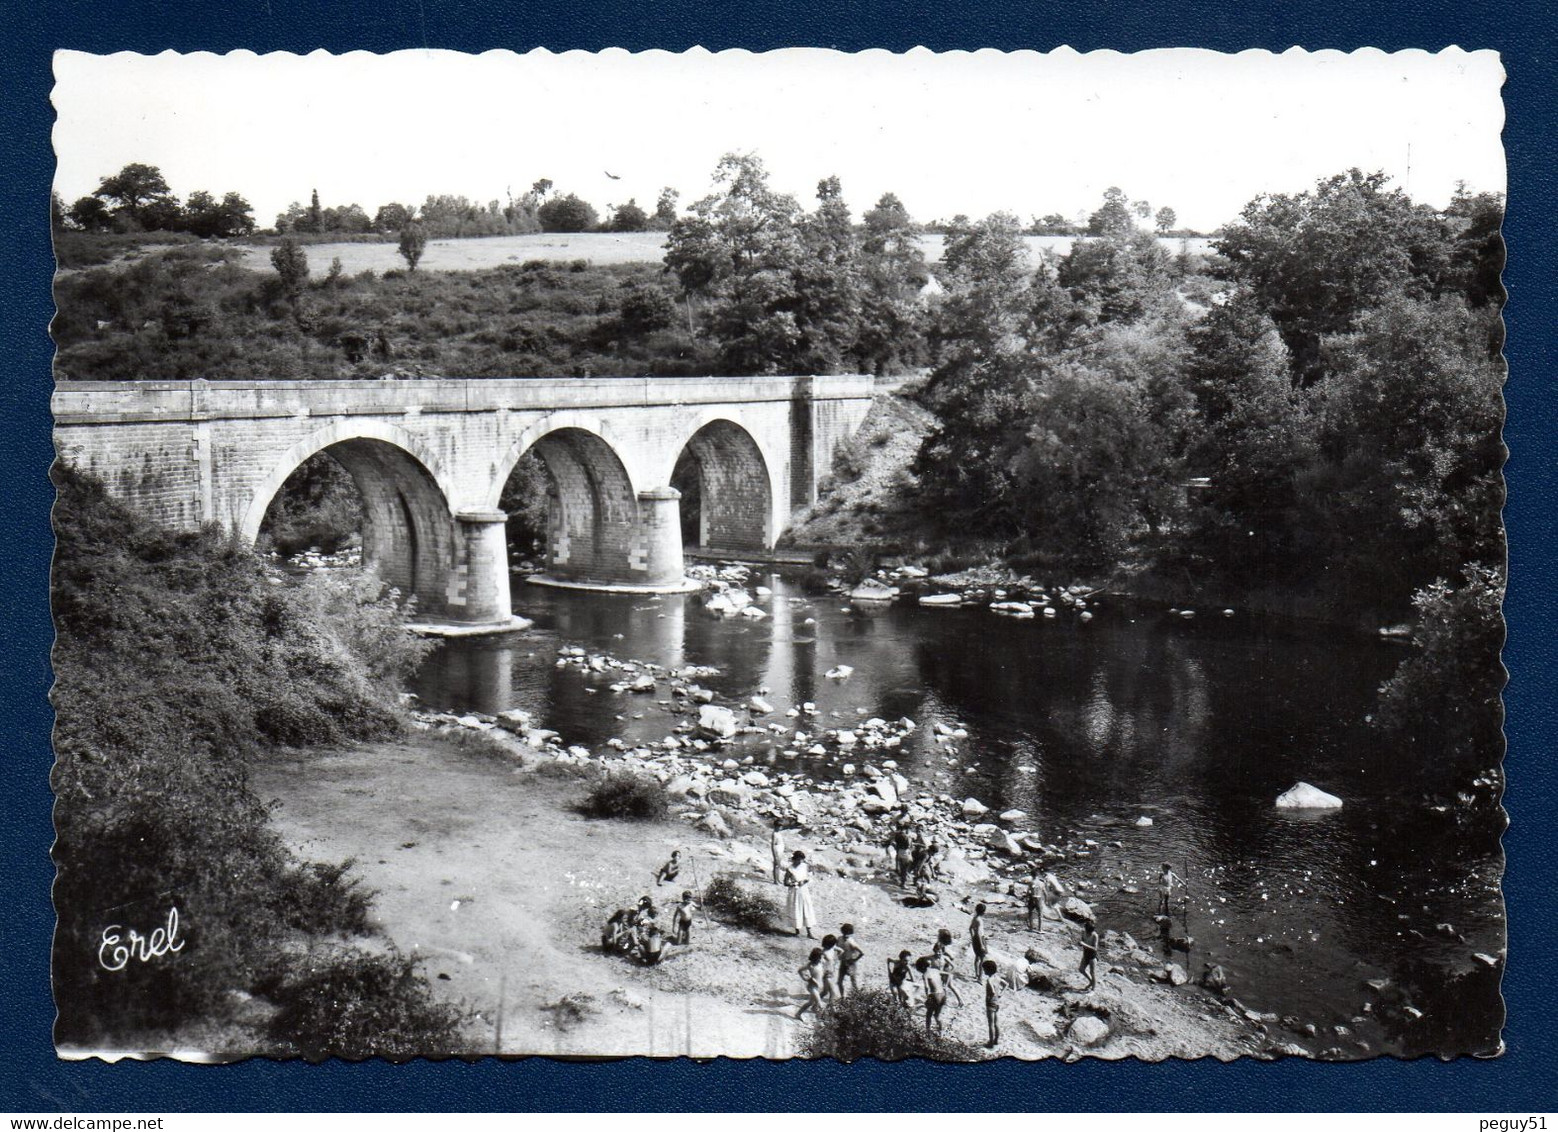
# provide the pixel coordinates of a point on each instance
(945, 555)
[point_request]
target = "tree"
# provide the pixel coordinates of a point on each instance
(1119, 276)
(628, 218)
(1444, 697)
(207, 217)
(665, 209)
(541, 188)
(1254, 441)
(1166, 219)
(413, 242)
(1409, 417)
(90, 214)
(889, 332)
(567, 214)
(392, 217)
(56, 212)
(1318, 260)
(135, 187)
(316, 216)
(1142, 209)
(1113, 218)
(291, 263)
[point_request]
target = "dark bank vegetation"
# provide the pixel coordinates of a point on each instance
(177, 661)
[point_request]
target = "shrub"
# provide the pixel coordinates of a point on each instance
(871, 1023)
(359, 1005)
(632, 796)
(736, 903)
(849, 462)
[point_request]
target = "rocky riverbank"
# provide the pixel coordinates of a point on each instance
(733, 769)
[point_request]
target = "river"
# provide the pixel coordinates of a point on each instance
(1197, 724)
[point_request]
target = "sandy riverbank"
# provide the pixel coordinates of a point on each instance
(486, 871)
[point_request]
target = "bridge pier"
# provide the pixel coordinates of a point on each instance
(478, 590)
(660, 521)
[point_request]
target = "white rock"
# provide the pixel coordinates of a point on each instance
(1306, 797)
(760, 706)
(755, 778)
(1012, 817)
(1144, 821)
(973, 808)
(846, 738)
(942, 599)
(716, 722)
(884, 790)
(728, 793)
(1088, 1030)
(840, 672)
(1040, 1029)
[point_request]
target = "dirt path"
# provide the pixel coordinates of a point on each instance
(485, 871)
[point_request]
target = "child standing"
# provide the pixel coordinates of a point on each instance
(830, 967)
(681, 920)
(1089, 964)
(898, 980)
(811, 974)
(849, 955)
(993, 988)
(935, 992)
(976, 936)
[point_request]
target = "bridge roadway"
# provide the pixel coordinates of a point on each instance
(430, 459)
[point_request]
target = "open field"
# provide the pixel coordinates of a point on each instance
(599, 248)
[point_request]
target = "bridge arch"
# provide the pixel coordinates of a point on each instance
(408, 529)
(734, 495)
(593, 527)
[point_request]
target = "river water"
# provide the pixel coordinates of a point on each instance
(1198, 724)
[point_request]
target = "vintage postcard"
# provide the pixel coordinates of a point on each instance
(962, 556)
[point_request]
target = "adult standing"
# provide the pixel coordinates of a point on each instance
(776, 848)
(797, 878)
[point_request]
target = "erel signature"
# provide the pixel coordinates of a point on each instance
(118, 948)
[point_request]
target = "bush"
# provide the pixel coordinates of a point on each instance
(360, 1005)
(871, 1023)
(631, 796)
(734, 902)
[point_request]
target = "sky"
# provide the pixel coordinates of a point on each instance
(953, 132)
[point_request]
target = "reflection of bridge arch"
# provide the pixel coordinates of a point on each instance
(408, 530)
(735, 497)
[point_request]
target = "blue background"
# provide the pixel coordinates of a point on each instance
(35, 1081)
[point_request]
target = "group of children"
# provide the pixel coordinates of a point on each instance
(933, 978)
(636, 932)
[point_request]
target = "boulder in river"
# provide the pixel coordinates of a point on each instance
(873, 590)
(759, 706)
(1303, 796)
(973, 808)
(716, 722)
(839, 672)
(1143, 822)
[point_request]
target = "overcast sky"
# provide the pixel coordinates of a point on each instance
(955, 132)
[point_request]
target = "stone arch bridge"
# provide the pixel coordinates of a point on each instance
(430, 459)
